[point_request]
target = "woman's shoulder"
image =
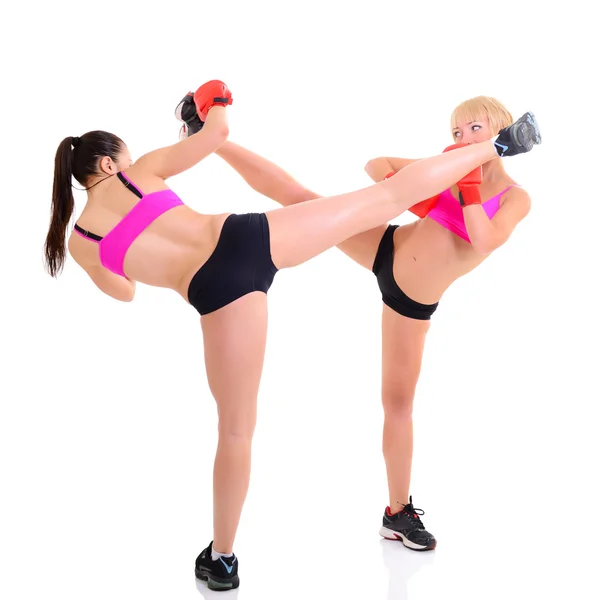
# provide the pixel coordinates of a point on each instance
(144, 179)
(509, 188)
(514, 190)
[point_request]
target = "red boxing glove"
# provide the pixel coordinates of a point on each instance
(421, 208)
(454, 146)
(212, 93)
(468, 186)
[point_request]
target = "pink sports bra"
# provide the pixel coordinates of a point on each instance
(448, 212)
(114, 245)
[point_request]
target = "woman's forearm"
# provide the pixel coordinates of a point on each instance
(480, 229)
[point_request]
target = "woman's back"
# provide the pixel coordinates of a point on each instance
(135, 226)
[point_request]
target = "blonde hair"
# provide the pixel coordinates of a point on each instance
(476, 108)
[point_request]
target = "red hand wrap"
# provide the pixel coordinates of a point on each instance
(468, 186)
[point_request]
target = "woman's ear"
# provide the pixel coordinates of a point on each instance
(107, 165)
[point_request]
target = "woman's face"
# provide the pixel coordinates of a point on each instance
(473, 132)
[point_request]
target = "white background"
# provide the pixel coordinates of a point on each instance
(107, 428)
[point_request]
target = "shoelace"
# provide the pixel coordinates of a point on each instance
(413, 514)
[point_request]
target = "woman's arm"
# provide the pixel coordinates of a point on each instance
(113, 285)
(488, 234)
(172, 160)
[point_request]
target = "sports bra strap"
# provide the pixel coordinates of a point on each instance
(129, 185)
(87, 234)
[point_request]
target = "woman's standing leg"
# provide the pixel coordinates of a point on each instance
(403, 343)
(234, 348)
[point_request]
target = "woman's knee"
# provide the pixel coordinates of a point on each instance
(237, 427)
(398, 403)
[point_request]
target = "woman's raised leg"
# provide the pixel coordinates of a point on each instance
(305, 230)
(272, 181)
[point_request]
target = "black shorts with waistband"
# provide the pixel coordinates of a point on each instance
(392, 295)
(240, 264)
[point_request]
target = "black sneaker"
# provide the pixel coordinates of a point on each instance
(221, 574)
(519, 137)
(407, 527)
(186, 113)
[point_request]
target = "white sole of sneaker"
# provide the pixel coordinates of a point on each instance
(390, 534)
